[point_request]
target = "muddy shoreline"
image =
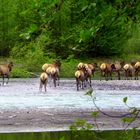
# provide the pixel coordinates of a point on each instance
(37, 120)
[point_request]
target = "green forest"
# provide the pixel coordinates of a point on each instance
(36, 31)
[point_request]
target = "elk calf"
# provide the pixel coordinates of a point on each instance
(80, 78)
(43, 81)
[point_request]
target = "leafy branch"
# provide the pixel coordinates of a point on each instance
(127, 118)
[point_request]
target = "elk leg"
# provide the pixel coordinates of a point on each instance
(54, 81)
(119, 78)
(40, 87)
(101, 75)
(58, 79)
(45, 86)
(90, 81)
(125, 74)
(3, 79)
(77, 84)
(106, 76)
(111, 75)
(7, 79)
(82, 84)
(136, 75)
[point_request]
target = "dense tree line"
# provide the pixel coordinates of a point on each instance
(63, 28)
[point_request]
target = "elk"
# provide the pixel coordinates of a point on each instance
(80, 77)
(137, 70)
(88, 73)
(118, 66)
(53, 72)
(88, 65)
(56, 63)
(43, 81)
(92, 66)
(5, 70)
(88, 69)
(128, 71)
(106, 70)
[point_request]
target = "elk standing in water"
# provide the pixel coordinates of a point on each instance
(43, 81)
(128, 71)
(106, 70)
(118, 67)
(137, 70)
(56, 63)
(5, 70)
(80, 78)
(53, 71)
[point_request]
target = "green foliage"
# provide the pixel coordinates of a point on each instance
(82, 125)
(128, 119)
(80, 28)
(95, 113)
(20, 72)
(132, 45)
(89, 92)
(125, 99)
(68, 68)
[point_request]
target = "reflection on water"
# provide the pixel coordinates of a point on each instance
(68, 135)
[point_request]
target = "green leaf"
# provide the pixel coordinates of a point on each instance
(95, 113)
(89, 126)
(125, 99)
(128, 119)
(85, 35)
(89, 92)
(84, 8)
(62, 138)
(32, 28)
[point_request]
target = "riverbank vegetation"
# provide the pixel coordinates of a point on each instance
(39, 31)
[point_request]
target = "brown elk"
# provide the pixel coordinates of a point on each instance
(89, 70)
(56, 63)
(137, 70)
(5, 70)
(43, 81)
(80, 77)
(92, 66)
(118, 67)
(128, 71)
(53, 70)
(88, 73)
(106, 70)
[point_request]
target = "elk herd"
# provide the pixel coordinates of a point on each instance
(83, 73)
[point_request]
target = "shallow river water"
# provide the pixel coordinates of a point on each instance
(24, 93)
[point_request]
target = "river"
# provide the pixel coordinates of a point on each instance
(21, 98)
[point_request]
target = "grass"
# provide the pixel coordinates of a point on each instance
(22, 69)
